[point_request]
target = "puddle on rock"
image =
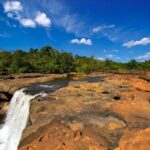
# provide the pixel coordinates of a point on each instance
(94, 79)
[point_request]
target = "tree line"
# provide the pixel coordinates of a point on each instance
(50, 60)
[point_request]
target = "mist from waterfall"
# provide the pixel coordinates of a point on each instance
(16, 120)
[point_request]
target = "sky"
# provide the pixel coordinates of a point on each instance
(106, 29)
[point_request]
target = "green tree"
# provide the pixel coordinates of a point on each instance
(132, 65)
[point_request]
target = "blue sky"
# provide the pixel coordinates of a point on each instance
(114, 29)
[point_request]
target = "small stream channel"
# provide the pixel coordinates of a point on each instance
(16, 119)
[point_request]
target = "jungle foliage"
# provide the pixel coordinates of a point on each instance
(50, 60)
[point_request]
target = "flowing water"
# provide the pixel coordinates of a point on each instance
(17, 115)
(15, 122)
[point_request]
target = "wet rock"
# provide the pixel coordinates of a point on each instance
(3, 110)
(105, 109)
(87, 115)
(2, 118)
(10, 86)
(5, 96)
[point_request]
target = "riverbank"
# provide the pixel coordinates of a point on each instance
(105, 112)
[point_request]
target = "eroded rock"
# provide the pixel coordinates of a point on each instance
(92, 115)
(60, 137)
(136, 140)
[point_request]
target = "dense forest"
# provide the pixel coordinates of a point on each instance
(50, 60)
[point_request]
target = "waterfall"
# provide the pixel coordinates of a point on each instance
(16, 120)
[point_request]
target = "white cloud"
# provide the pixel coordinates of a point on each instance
(42, 19)
(146, 56)
(14, 15)
(102, 27)
(100, 58)
(144, 41)
(65, 19)
(12, 6)
(82, 41)
(110, 56)
(109, 31)
(15, 10)
(28, 23)
(97, 29)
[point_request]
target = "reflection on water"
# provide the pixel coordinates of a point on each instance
(94, 79)
(47, 87)
(51, 86)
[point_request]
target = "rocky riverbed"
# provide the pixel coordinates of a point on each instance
(100, 111)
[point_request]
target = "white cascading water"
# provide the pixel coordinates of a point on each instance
(16, 120)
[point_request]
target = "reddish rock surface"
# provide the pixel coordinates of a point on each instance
(20, 81)
(99, 115)
(135, 114)
(136, 140)
(59, 137)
